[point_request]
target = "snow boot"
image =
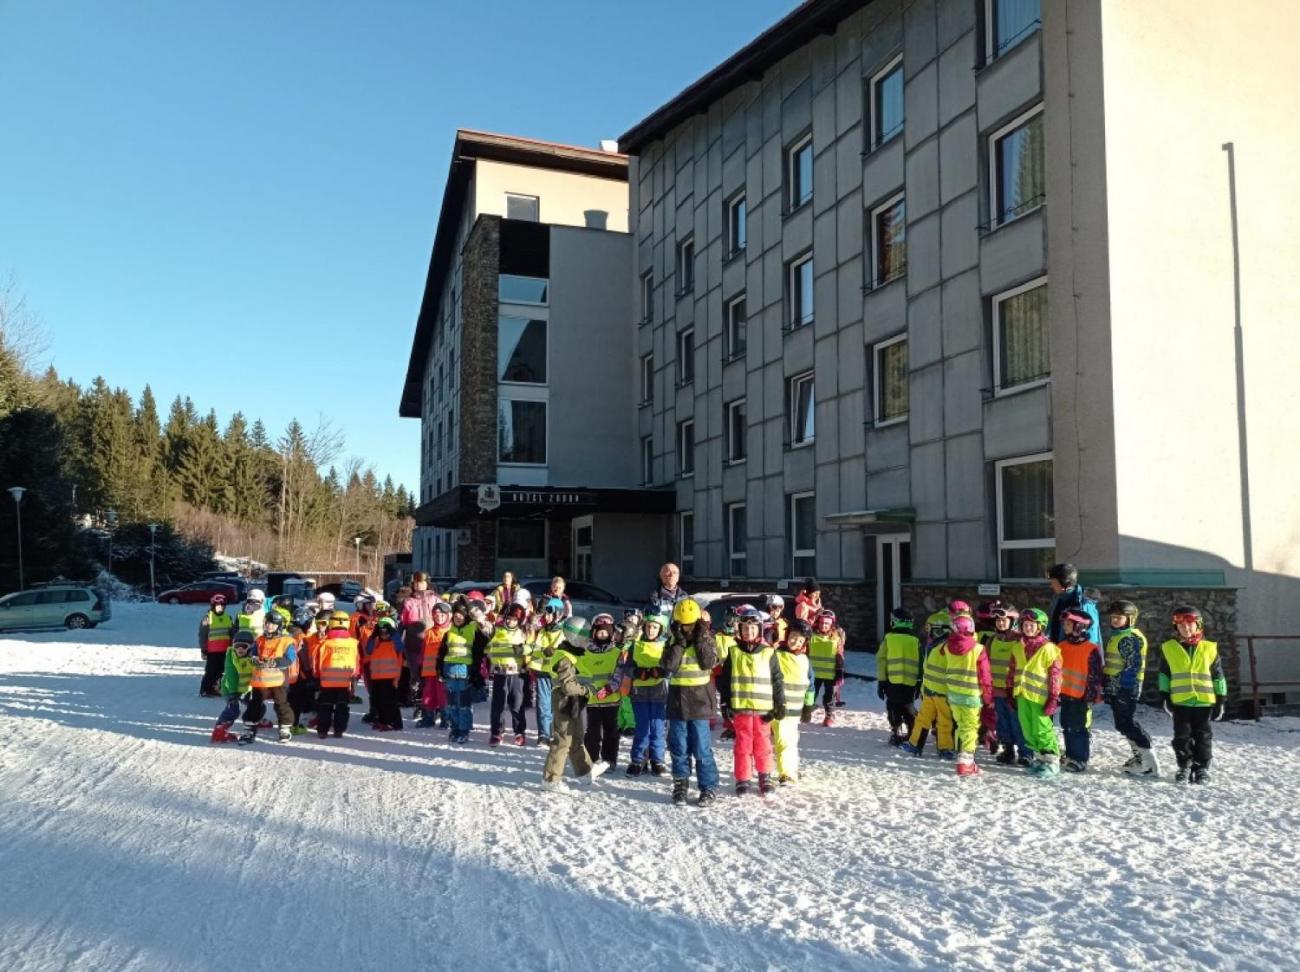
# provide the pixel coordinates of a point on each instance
(895, 740)
(368, 718)
(1007, 755)
(679, 792)
(494, 741)
(829, 720)
(1074, 765)
(907, 747)
(1046, 766)
(785, 780)
(221, 733)
(1025, 759)
(338, 733)
(948, 754)
(1135, 761)
(249, 735)
(1150, 765)
(706, 798)
(599, 769)
(298, 730)
(426, 722)
(742, 787)
(805, 714)
(520, 740)
(765, 784)
(286, 733)
(728, 733)
(658, 769)
(966, 765)
(385, 727)
(1200, 774)
(554, 786)
(635, 769)
(1183, 775)
(322, 733)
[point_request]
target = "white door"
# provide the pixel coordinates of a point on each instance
(893, 566)
(583, 535)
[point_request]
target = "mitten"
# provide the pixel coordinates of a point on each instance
(880, 689)
(1051, 707)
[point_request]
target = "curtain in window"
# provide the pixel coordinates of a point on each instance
(1023, 341)
(891, 242)
(893, 380)
(1028, 510)
(1022, 184)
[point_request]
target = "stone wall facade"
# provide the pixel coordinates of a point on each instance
(478, 352)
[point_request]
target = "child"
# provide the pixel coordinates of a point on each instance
(235, 681)
(253, 614)
(546, 638)
(826, 654)
(642, 665)
(1125, 669)
(898, 669)
(969, 685)
(433, 694)
(724, 641)
(462, 650)
(934, 684)
(505, 653)
(753, 692)
(273, 656)
(689, 659)
(1034, 681)
(214, 639)
(1081, 682)
(796, 682)
(597, 669)
(383, 662)
(1194, 691)
(337, 660)
(1001, 642)
(569, 694)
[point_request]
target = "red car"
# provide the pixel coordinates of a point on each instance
(200, 592)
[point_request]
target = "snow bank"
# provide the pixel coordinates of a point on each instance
(129, 842)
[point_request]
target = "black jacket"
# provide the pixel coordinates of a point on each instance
(694, 701)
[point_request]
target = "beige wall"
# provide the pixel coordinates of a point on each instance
(566, 198)
(1182, 77)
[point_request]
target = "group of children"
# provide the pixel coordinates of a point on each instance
(1001, 682)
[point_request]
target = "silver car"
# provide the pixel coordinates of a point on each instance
(57, 606)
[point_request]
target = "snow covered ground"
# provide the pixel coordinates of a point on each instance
(127, 841)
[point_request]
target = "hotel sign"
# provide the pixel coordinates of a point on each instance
(524, 497)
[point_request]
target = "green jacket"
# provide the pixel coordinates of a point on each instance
(238, 674)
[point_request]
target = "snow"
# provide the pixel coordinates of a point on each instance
(130, 842)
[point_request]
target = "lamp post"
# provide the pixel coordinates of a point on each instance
(357, 543)
(153, 589)
(111, 517)
(17, 493)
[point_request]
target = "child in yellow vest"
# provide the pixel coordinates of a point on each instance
(1034, 680)
(934, 685)
(796, 681)
(898, 671)
(970, 686)
(1194, 691)
(753, 692)
(1001, 643)
(1125, 670)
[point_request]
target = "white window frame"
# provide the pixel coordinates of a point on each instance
(793, 319)
(685, 524)
(647, 378)
(732, 556)
(736, 200)
(683, 454)
(880, 421)
(792, 395)
(524, 195)
(791, 154)
(647, 296)
(647, 460)
(686, 265)
(890, 203)
(991, 53)
(797, 552)
(998, 299)
(1036, 544)
(546, 446)
(730, 429)
(995, 204)
(873, 140)
(682, 357)
(730, 337)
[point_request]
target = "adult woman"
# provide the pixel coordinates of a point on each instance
(505, 592)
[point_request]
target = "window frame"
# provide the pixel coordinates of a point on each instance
(792, 267)
(546, 432)
(991, 51)
(732, 555)
(730, 351)
(878, 420)
(685, 267)
(647, 296)
(792, 404)
(876, 139)
(878, 281)
(683, 379)
(736, 202)
(684, 454)
(1002, 544)
(792, 152)
(647, 460)
(687, 560)
(729, 426)
(995, 303)
(536, 200)
(997, 217)
(797, 552)
(647, 379)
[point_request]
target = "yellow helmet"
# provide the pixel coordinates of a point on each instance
(340, 618)
(686, 611)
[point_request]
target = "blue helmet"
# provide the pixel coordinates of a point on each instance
(553, 604)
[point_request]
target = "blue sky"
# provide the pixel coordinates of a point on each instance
(236, 200)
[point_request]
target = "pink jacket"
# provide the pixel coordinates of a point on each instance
(418, 608)
(960, 644)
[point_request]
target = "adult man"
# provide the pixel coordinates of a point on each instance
(669, 592)
(1069, 594)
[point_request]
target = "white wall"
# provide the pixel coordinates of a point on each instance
(565, 198)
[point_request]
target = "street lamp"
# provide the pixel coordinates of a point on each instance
(153, 590)
(357, 542)
(110, 517)
(17, 493)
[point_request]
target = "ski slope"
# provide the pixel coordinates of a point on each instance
(127, 841)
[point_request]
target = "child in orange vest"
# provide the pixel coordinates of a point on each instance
(1082, 683)
(383, 662)
(275, 660)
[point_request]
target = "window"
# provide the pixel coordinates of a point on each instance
(521, 350)
(521, 433)
(451, 430)
(522, 207)
(736, 232)
(685, 357)
(1026, 518)
(521, 539)
(737, 534)
(1008, 22)
(686, 265)
(734, 341)
(686, 448)
(803, 535)
(890, 370)
(801, 406)
(686, 541)
(647, 297)
(885, 103)
(647, 460)
(889, 240)
(1021, 354)
(799, 173)
(1016, 178)
(737, 430)
(799, 292)
(647, 379)
(514, 289)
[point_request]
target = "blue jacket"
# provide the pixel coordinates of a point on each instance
(1073, 597)
(1130, 651)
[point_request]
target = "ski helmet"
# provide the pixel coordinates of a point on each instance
(1036, 616)
(656, 619)
(938, 623)
(386, 624)
(326, 601)
(441, 608)
(514, 614)
(729, 618)
(1188, 614)
(686, 611)
(825, 621)
(340, 619)
(577, 632)
(256, 594)
(322, 618)
(801, 630)
(963, 624)
(1127, 608)
(217, 600)
(774, 602)
(956, 608)
(900, 619)
(553, 605)
(273, 619)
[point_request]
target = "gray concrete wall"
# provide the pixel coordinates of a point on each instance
(627, 553)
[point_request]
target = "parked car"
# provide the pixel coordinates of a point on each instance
(342, 590)
(717, 602)
(200, 592)
(57, 606)
(587, 600)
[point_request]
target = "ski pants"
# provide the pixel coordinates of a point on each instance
(1040, 734)
(785, 746)
(433, 695)
(507, 692)
(1193, 734)
(302, 698)
(231, 712)
(753, 746)
(935, 713)
(688, 739)
(1076, 725)
(566, 746)
(1123, 709)
(1008, 730)
(332, 710)
(648, 739)
(967, 720)
(545, 713)
(602, 733)
(899, 709)
(383, 698)
(279, 698)
(626, 714)
(824, 688)
(459, 696)
(214, 666)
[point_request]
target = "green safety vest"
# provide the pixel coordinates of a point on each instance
(901, 654)
(594, 670)
(458, 645)
(822, 653)
(1000, 652)
(1032, 673)
(545, 638)
(961, 676)
(221, 628)
(1115, 661)
(724, 643)
(689, 674)
(505, 650)
(648, 654)
(249, 622)
(751, 680)
(796, 674)
(1190, 681)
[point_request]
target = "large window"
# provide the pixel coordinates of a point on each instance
(686, 541)
(686, 356)
(736, 229)
(885, 103)
(1026, 518)
(889, 367)
(803, 535)
(734, 339)
(521, 433)
(801, 406)
(799, 173)
(647, 379)
(647, 460)
(514, 289)
(799, 291)
(647, 297)
(686, 265)
(1008, 22)
(1021, 353)
(1016, 168)
(737, 429)
(521, 350)
(737, 539)
(522, 207)
(521, 539)
(889, 241)
(686, 448)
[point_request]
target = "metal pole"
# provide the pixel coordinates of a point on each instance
(153, 589)
(18, 510)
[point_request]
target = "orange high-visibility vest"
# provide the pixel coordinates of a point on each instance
(1074, 667)
(432, 651)
(268, 648)
(384, 661)
(336, 660)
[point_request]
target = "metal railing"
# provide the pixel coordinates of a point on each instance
(1255, 683)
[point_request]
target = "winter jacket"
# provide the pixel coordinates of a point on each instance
(1128, 643)
(960, 645)
(374, 644)
(1073, 597)
(775, 673)
(222, 636)
(654, 679)
(688, 702)
(663, 598)
(806, 607)
(417, 610)
(1216, 674)
(568, 692)
(502, 597)
(237, 676)
(1031, 646)
(473, 671)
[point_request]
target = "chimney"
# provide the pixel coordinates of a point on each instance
(609, 145)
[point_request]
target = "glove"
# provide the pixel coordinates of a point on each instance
(1166, 704)
(778, 713)
(602, 693)
(726, 713)
(1051, 707)
(1108, 696)
(1219, 708)
(880, 689)
(805, 714)
(766, 717)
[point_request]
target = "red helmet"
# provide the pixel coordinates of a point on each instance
(824, 622)
(1076, 615)
(476, 596)
(216, 599)
(514, 612)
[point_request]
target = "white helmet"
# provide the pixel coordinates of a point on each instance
(326, 601)
(256, 594)
(524, 597)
